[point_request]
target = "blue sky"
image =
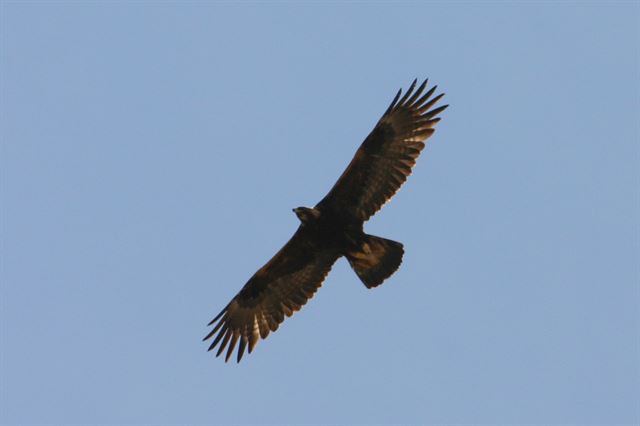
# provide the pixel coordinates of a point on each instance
(150, 157)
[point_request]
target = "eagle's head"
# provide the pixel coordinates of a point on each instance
(306, 215)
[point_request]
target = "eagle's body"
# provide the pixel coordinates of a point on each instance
(334, 228)
(329, 230)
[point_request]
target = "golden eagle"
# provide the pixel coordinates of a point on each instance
(334, 228)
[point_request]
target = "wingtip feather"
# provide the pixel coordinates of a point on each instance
(232, 346)
(227, 336)
(219, 315)
(393, 102)
(415, 96)
(241, 347)
(408, 93)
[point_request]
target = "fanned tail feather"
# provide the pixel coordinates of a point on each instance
(376, 260)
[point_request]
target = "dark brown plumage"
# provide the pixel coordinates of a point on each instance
(334, 228)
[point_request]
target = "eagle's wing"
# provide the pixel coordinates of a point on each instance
(385, 158)
(279, 288)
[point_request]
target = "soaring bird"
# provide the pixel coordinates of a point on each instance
(334, 228)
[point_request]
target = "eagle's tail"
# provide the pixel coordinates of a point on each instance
(375, 260)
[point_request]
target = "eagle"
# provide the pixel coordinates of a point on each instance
(334, 228)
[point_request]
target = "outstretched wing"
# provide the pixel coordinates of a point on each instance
(279, 288)
(384, 160)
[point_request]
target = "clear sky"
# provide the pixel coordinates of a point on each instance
(151, 155)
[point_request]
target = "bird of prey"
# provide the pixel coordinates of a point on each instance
(334, 228)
